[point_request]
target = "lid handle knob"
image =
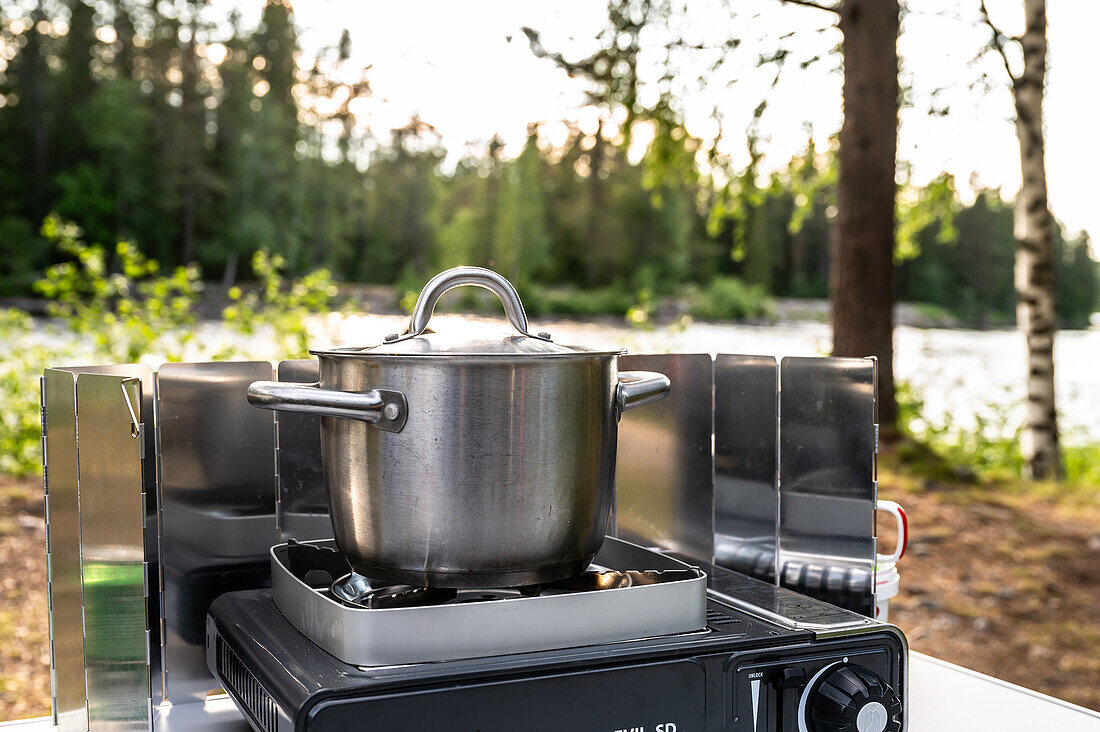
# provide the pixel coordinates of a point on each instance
(475, 277)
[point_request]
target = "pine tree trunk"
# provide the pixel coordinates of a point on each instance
(191, 147)
(187, 226)
(34, 84)
(596, 260)
(1035, 280)
(861, 271)
(229, 275)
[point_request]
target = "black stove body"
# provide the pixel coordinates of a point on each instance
(769, 660)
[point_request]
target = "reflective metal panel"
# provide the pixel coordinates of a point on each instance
(144, 374)
(665, 476)
(303, 511)
(780, 605)
(217, 504)
(112, 520)
(63, 551)
(827, 473)
(746, 496)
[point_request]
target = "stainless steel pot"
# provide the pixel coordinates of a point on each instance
(457, 462)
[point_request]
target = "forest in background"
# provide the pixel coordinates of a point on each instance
(200, 140)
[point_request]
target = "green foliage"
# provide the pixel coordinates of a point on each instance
(812, 180)
(1078, 283)
(20, 255)
(125, 309)
(407, 288)
(973, 277)
(640, 315)
(991, 446)
(20, 420)
(400, 202)
(117, 307)
(279, 306)
(205, 156)
(921, 209)
(204, 140)
(1082, 463)
(728, 298)
(586, 302)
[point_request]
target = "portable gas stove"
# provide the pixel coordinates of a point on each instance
(645, 640)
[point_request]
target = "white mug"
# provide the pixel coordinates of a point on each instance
(903, 532)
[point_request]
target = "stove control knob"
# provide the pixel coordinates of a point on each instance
(852, 698)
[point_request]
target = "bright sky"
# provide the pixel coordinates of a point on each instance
(466, 68)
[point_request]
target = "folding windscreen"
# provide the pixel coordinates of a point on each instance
(746, 496)
(302, 508)
(785, 454)
(99, 479)
(217, 513)
(127, 630)
(63, 550)
(828, 489)
(165, 490)
(114, 570)
(664, 474)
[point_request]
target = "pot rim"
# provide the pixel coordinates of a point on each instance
(359, 353)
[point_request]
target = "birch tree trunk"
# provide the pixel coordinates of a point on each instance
(1035, 280)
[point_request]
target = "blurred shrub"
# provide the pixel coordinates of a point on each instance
(990, 447)
(573, 301)
(1082, 463)
(281, 305)
(20, 369)
(124, 312)
(407, 288)
(728, 298)
(117, 307)
(640, 315)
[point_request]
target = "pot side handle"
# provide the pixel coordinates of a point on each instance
(638, 388)
(385, 409)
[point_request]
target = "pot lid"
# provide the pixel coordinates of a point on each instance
(418, 339)
(506, 343)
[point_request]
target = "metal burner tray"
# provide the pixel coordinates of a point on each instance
(395, 636)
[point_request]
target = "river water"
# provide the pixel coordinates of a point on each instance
(960, 374)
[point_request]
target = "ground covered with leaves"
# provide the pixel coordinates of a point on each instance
(24, 628)
(1000, 577)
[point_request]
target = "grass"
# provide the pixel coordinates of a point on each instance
(950, 470)
(989, 449)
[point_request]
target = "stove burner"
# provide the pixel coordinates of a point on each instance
(358, 591)
(347, 588)
(335, 608)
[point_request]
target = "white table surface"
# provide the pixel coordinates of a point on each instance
(943, 697)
